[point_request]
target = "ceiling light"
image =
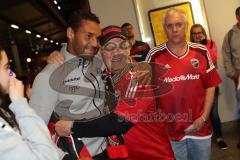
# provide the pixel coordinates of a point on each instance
(38, 36)
(59, 7)
(36, 52)
(56, 43)
(29, 60)
(55, 2)
(45, 39)
(14, 26)
(51, 41)
(28, 32)
(10, 60)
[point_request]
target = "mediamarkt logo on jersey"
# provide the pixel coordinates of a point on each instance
(182, 78)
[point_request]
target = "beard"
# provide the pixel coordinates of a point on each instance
(82, 51)
(89, 56)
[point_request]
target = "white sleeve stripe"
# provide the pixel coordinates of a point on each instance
(130, 93)
(153, 51)
(134, 90)
(131, 90)
(211, 65)
(211, 68)
(127, 91)
(197, 45)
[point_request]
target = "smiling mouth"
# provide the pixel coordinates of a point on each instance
(92, 50)
(116, 59)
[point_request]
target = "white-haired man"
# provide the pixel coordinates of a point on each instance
(194, 78)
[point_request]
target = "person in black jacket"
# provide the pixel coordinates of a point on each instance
(139, 48)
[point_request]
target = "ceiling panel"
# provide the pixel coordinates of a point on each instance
(38, 16)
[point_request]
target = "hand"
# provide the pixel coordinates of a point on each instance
(195, 127)
(55, 58)
(142, 72)
(63, 127)
(16, 88)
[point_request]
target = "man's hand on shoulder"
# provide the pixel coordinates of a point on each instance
(142, 72)
(55, 58)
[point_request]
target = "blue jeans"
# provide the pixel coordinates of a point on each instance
(192, 149)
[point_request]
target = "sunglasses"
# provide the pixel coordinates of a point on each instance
(124, 45)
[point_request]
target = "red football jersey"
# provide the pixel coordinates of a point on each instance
(190, 75)
(147, 139)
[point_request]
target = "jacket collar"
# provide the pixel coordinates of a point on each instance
(67, 55)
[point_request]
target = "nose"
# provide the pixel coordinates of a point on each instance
(116, 51)
(174, 28)
(94, 42)
(198, 36)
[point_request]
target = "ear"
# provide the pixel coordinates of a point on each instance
(238, 17)
(70, 33)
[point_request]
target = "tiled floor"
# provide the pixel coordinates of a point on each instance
(230, 135)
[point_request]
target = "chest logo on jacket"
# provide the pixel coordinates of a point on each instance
(195, 62)
(91, 87)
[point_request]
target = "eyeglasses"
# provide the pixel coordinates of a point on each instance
(124, 45)
(196, 33)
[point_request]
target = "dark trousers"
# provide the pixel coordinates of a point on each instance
(101, 156)
(238, 112)
(238, 108)
(214, 116)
